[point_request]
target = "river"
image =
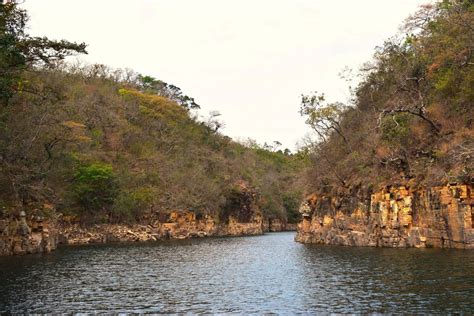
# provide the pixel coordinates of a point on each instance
(262, 274)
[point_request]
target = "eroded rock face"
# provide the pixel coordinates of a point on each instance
(18, 236)
(393, 217)
(179, 225)
(23, 236)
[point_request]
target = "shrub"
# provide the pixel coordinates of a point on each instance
(95, 187)
(132, 205)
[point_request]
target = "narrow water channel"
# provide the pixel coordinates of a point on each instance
(269, 273)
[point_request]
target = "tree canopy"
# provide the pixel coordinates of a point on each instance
(20, 51)
(412, 118)
(109, 145)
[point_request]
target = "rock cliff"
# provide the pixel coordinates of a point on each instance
(22, 234)
(393, 217)
(177, 225)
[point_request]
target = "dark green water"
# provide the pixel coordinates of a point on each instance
(262, 274)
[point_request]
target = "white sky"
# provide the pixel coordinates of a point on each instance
(248, 59)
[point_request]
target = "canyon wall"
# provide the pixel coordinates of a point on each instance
(21, 235)
(393, 217)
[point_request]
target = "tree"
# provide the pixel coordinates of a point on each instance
(412, 119)
(172, 92)
(276, 145)
(22, 58)
(323, 118)
(404, 68)
(20, 52)
(95, 187)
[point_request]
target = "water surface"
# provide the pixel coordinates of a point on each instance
(269, 273)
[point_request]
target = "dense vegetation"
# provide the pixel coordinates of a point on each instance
(412, 117)
(114, 146)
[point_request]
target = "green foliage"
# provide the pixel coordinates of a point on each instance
(159, 156)
(412, 120)
(232, 204)
(291, 203)
(19, 51)
(12, 24)
(322, 117)
(272, 207)
(165, 159)
(129, 206)
(444, 81)
(239, 203)
(95, 187)
(149, 84)
(395, 128)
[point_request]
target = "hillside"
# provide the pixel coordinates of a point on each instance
(396, 167)
(411, 121)
(98, 145)
(103, 147)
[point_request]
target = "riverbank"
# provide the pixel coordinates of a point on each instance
(182, 225)
(37, 235)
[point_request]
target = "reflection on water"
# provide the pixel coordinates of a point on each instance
(261, 274)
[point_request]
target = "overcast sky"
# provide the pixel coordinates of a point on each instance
(248, 59)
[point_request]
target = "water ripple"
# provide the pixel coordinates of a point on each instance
(251, 275)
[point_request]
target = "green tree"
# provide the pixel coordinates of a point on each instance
(95, 187)
(20, 51)
(149, 84)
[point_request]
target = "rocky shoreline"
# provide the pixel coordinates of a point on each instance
(184, 225)
(440, 217)
(36, 235)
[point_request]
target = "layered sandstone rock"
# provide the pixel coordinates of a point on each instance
(393, 217)
(179, 225)
(19, 235)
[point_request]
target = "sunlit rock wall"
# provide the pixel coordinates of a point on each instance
(393, 217)
(19, 236)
